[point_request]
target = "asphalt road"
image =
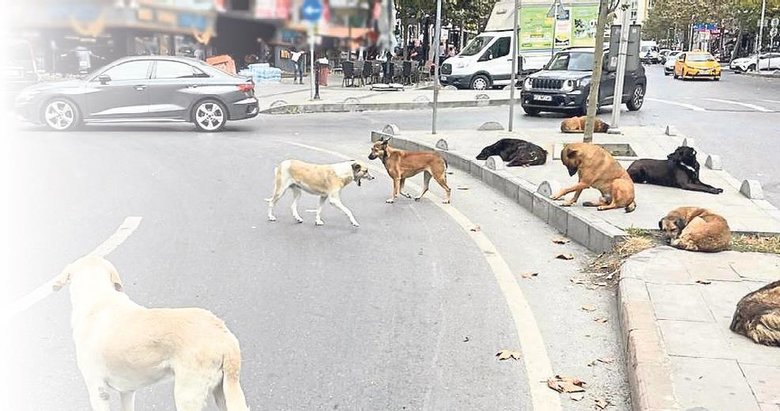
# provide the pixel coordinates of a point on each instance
(405, 312)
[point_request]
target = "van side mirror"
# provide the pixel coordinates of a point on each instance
(104, 79)
(487, 55)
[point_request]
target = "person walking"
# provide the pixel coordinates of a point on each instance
(297, 59)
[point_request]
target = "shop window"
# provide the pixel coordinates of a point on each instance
(173, 69)
(132, 70)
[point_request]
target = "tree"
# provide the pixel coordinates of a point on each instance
(605, 9)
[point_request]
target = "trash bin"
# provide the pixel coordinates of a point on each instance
(323, 71)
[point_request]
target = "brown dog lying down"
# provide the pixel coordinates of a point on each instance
(402, 164)
(758, 315)
(598, 169)
(577, 125)
(696, 229)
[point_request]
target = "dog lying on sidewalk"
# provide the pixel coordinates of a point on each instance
(758, 315)
(680, 170)
(598, 169)
(123, 346)
(402, 164)
(515, 152)
(696, 229)
(324, 180)
(577, 125)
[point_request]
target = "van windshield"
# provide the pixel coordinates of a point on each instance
(476, 45)
(572, 61)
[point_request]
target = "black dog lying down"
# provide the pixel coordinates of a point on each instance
(515, 152)
(680, 169)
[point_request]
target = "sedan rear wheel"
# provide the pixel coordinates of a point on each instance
(61, 114)
(210, 116)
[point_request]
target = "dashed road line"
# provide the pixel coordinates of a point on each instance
(738, 103)
(677, 103)
(44, 290)
(537, 362)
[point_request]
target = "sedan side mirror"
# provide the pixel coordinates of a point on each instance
(104, 79)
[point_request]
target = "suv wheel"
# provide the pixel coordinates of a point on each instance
(480, 82)
(209, 115)
(532, 111)
(637, 98)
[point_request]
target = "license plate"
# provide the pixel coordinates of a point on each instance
(443, 78)
(539, 97)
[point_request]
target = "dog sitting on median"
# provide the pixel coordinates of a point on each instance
(598, 169)
(515, 152)
(758, 315)
(696, 229)
(680, 170)
(324, 180)
(402, 164)
(577, 125)
(124, 347)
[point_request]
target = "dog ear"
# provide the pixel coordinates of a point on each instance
(355, 166)
(61, 280)
(385, 141)
(116, 280)
(661, 224)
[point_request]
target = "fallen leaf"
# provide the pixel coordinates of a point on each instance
(466, 339)
(601, 403)
(577, 396)
(588, 308)
(601, 320)
(705, 282)
(575, 280)
(476, 228)
(564, 257)
(566, 384)
(606, 360)
(529, 275)
(450, 172)
(508, 354)
(463, 188)
(561, 240)
(592, 363)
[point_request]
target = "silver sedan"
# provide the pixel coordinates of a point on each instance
(142, 89)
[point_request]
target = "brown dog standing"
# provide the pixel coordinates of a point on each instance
(696, 229)
(598, 169)
(401, 164)
(577, 125)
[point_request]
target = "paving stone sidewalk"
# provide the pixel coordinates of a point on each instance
(675, 309)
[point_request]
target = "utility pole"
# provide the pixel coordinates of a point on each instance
(515, 42)
(621, 73)
(760, 34)
(555, 23)
(436, 84)
(598, 65)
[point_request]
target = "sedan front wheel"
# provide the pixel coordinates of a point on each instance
(209, 116)
(61, 114)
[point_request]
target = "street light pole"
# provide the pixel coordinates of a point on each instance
(515, 42)
(761, 33)
(621, 73)
(436, 84)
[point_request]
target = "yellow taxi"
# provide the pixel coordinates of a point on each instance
(693, 64)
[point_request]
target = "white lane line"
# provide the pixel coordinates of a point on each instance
(737, 103)
(44, 290)
(537, 362)
(771, 101)
(676, 103)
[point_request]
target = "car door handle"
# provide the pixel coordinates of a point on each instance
(140, 88)
(192, 86)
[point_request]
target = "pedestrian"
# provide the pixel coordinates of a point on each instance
(200, 54)
(297, 59)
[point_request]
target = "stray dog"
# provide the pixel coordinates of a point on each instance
(696, 229)
(680, 170)
(515, 152)
(758, 315)
(577, 125)
(598, 169)
(402, 164)
(124, 346)
(324, 180)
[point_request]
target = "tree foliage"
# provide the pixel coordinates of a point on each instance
(468, 14)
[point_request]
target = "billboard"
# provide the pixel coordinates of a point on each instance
(576, 26)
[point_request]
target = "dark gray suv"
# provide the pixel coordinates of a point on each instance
(143, 88)
(563, 84)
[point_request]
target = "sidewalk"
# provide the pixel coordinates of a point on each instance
(675, 307)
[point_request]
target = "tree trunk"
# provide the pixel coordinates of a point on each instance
(598, 58)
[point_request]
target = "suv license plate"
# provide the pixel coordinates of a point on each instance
(540, 97)
(443, 78)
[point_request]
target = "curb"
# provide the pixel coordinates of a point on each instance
(775, 74)
(346, 107)
(594, 233)
(647, 363)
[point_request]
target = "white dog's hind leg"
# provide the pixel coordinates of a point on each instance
(318, 218)
(98, 396)
(336, 201)
(128, 400)
(294, 207)
(191, 390)
(272, 202)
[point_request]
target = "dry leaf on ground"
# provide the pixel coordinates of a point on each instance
(566, 384)
(705, 282)
(529, 275)
(463, 188)
(601, 320)
(601, 403)
(476, 228)
(575, 280)
(561, 240)
(606, 360)
(577, 396)
(588, 308)
(564, 256)
(508, 354)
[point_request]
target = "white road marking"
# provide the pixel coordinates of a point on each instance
(537, 362)
(676, 103)
(44, 290)
(771, 101)
(737, 103)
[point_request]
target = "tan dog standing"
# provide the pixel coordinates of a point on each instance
(758, 315)
(123, 346)
(598, 169)
(577, 125)
(402, 164)
(696, 229)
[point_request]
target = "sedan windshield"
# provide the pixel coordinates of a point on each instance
(700, 57)
(476, 45)
(573, 61)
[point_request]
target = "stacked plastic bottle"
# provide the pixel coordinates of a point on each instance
(263, 73)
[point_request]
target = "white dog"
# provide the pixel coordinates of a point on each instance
(324, 180)
(123, 346)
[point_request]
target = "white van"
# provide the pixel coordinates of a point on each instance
(487, 62)
(649, 53)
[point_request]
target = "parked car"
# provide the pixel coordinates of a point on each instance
(694, 64)
(671, 59)
(18, 68)
(662, 55)
(143, 88)
(564, 83)
(767, 61)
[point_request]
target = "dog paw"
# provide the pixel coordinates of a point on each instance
(298, 220)
(319, 223)
(271, 218)
(718, 190)
(446, 202)
(355, 224)
(407, 195)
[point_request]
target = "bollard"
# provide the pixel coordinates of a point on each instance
(442, 144)
(713, 162)
(491, 126)
(548, 188)
(495, 163)
(391, 129)
(752, 190)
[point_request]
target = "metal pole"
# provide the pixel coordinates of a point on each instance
(760, 34)
(436, 85)
(555, 23)
(617, 100)
(515, 42)
(311, 58)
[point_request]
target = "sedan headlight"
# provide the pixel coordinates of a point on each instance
(528, 84)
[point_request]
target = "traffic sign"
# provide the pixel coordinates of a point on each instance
(775, 21)
(773, 32)
(555, 9)
(311, 10)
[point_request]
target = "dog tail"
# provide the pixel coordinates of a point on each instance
(631, 207)
(231, 388)
(277, 183)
